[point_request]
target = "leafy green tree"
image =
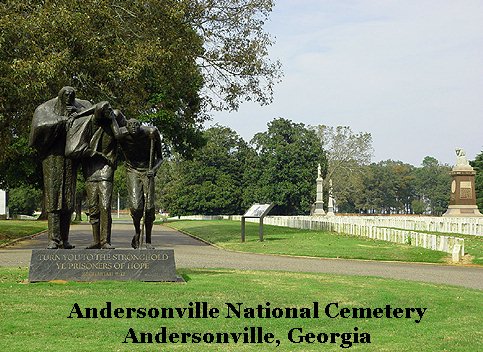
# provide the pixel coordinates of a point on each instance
(388, 188)
(165, 62)
(347, 154)
(120, 186)
(139, 55)
(24, 200)
(418, 206)
(478, 166)
(403, 174)
(381, 188)
(235, 64)
(211, 183)
(284, 169)
(432, 185)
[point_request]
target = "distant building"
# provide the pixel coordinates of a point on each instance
(3, 204)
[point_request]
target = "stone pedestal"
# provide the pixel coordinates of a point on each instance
(330, 207)
(103, 264)
(463, 198)
(319, 203)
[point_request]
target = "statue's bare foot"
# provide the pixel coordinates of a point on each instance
(149, 246)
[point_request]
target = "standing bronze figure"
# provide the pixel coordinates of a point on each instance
(98, 166)
(48, 136)
(141, 146)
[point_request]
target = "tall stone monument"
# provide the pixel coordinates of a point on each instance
(330, 205)
(319, 202)
(463, 198)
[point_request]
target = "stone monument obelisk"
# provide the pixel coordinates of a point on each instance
(319, 200)
(463, 198)
(330, 205)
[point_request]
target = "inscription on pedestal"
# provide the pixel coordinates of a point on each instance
(466, 190)
(102, 264)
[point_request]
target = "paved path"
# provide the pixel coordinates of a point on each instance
(191, 253)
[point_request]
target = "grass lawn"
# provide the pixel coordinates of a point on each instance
(34, 316)
(473, 244)
(284, 240)
(474, 247)
(12, 229)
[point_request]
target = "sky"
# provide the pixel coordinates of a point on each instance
(410, 72)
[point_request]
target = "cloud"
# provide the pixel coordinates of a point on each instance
(409, 72)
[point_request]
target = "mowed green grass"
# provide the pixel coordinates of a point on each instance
(13, 229)
(289, 241)
(34, 317)
(473, 244)
(474, 247)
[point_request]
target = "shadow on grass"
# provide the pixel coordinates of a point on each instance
(186, 273)
(269, 239)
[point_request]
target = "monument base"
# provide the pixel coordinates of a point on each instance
(103, 264)
(462, 211)
(318, 209)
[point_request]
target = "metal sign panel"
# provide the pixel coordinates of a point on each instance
(258, 210)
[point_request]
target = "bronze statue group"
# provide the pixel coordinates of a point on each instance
(68, 132)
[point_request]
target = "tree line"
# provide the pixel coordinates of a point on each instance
(169, 63)
(228, 174)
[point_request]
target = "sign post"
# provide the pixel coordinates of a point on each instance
(258, 211)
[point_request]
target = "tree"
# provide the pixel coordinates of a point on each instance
(432, 185)
(418, 206)
(24, 200)
(211, 183)
(403, 174)
(235, 62)
(388, 188)
(380, 194)
(20, 166)
(163, 61)
(284, 169)
(347, 154)
(478, 166)
(119, 186)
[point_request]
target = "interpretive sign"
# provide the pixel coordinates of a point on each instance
(103, 264)
(256, 211)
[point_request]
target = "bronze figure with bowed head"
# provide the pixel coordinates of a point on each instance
(141, 146)
(48, 136)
